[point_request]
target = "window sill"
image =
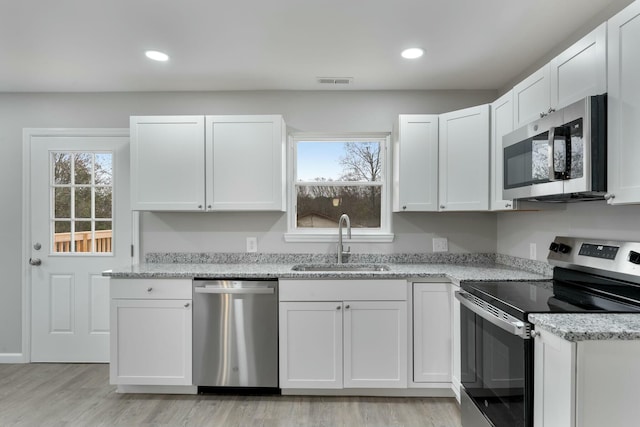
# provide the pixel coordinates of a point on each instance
(333, 237)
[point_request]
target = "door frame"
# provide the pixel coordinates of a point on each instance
(27, 135)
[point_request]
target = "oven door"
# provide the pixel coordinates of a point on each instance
(496, 367)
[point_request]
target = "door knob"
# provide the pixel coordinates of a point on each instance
(35, 261)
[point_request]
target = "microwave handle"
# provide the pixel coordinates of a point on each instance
(553, 175)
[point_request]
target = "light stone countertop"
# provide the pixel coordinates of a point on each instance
(454, 272)
(589, 326)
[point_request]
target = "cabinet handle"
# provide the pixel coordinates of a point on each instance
(542, 115)
(149, 289)
(347, 306)
(404, 208)
(534, 334)
(552, 110)
(609, 196)
(199, 206)
(338, 307)
(186, 305)
(209, 207)
(442, 206)
(507, 205)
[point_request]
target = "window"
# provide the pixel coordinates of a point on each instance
(332, 175)
(81, 202)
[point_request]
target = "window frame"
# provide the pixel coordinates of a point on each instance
(373, 235)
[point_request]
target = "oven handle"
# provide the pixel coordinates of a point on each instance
(514, 327)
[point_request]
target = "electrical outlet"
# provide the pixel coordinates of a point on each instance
(252, 244)
(440, 244)
(532, 251)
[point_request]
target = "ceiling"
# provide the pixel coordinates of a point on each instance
(99, 45)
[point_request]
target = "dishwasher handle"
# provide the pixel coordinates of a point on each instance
(212, 290)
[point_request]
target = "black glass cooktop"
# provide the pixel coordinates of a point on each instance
(569, 292)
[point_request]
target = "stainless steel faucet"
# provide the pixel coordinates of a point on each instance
(343, 218)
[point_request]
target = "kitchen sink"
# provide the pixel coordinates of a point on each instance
(341, 267)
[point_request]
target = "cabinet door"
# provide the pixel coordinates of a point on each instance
(532, 97)
(581, 70)
(554, 382)
(375, 344)
(464, 159)
(245, 167)
(167, 163)
(415, 157)
(501, 124)
(150, 342)
(431, 332)
(624, 106)
(310, 345)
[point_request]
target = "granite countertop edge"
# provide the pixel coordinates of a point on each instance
(577, 327)
(456, 273)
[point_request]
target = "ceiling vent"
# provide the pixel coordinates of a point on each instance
(335, 80)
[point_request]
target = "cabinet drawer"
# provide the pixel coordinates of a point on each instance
(150, 289)
(343, 290)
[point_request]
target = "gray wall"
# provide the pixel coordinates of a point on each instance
(339, 111)
(516, 230)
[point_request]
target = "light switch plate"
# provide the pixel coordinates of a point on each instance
(440, 244)
(252, 244)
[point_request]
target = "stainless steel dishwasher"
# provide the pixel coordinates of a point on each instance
(235, 334)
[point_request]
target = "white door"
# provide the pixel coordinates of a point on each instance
(80, 225)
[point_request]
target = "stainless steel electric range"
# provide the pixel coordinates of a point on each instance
(496, 347)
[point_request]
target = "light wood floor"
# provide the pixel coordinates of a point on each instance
(60, 395)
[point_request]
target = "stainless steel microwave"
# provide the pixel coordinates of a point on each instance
(560, 157)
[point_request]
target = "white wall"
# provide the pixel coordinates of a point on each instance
(516, 230)
(304, 111)
(227, 232)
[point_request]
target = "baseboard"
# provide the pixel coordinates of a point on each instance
(12, 358)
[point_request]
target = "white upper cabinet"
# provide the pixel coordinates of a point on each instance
(167, 163)
(531, 97)
(415, 157)
(464, 160)
(581, 70)
(577, 72)
(198, 163)
(501, 124)
(623, 140)
(245, 163)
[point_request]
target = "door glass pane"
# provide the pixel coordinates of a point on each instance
(83, 202)
(62, 202)
(103, 236)
(104, 169)
(61, 168)
(103, 202)
(82, 236)
(62, 236)
(82, 191)
(83, 169)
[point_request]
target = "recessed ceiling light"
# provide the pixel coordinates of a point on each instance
(157, 56)
(412, 53)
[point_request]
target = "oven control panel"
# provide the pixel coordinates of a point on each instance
(599, 251)
(607, 257)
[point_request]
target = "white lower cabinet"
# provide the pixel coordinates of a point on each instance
(311, 345)
(344, 343)
(585, 383)
(432, 332)
(151, 332)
